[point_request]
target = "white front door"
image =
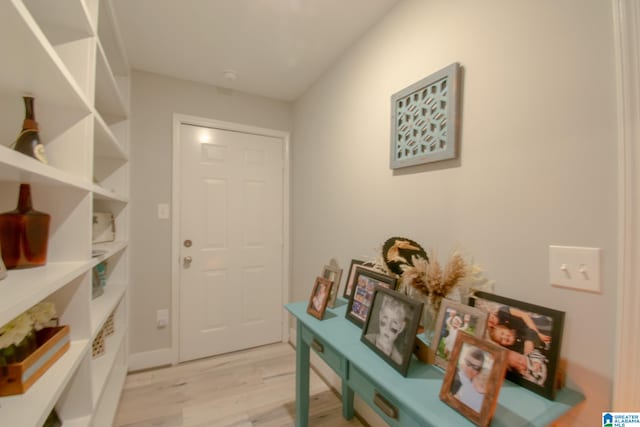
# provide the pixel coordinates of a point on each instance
(231, 241)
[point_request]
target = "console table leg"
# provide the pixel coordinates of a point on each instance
(302, 379)
(347, 401)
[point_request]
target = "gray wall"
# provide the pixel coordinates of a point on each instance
(538, 164)
(154, 100)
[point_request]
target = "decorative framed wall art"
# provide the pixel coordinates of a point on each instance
(391, 326)
(454, 318)
(333, 273)
(319, 297)
(425, 119)
(474, 377)
(531, 333)
(365, 282)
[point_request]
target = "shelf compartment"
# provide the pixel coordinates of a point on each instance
(109, 35)
(109, 248)
(100, 193)
(105, 410)
(70, 15)
(110, 102)
(102, 366)
(104, 305)
(22, 289)
(35, 67)
(33, 407)
(106, 143)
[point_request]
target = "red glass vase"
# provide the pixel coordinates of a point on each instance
(24, 233)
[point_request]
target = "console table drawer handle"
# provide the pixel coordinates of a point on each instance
(317, 346)
(384, 405)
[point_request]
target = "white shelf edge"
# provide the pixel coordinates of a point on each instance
(115, 35)
(25, 288)
(33, 407)
(104, 194)
(77, 422)
(20, 168)
(102, 366)
(110, 396)
(111, 249)
(103, 306)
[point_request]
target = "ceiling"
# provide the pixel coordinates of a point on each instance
(277, 48)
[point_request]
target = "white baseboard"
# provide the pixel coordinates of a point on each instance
(150, 359)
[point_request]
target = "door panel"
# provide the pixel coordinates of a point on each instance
(232, 211)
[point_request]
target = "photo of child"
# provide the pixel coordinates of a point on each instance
(319, 297)
(454, 318)
(532, 334)
(392, 320)
(391, 327)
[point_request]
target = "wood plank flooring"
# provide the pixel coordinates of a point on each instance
(251, 388)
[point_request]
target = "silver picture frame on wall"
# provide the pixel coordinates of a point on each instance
(425, 120)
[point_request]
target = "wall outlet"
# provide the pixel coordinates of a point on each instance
(162, 318)
(575, 267)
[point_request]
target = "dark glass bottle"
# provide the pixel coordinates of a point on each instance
(28, 141)
(24, 233)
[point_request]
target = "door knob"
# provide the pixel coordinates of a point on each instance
(187, 261)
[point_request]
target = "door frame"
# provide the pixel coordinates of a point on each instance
(626, 375)
(183, 119)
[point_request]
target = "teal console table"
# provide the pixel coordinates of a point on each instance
(411, 401)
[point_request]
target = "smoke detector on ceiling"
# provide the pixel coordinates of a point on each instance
(230, 75)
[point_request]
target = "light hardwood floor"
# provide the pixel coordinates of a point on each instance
(251, 388)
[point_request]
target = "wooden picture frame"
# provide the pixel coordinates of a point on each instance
(319, 297)
(474, 377)
(333, 273)
(348, 284)
(536, 332)
(452, 319)
(365, 281)
(391, 326)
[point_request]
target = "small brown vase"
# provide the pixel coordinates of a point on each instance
(24, 233)
(28, 141)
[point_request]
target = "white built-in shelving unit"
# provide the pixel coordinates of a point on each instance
(68, 55)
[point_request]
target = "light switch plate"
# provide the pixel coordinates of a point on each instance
(575, 267)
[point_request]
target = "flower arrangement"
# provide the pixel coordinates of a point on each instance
(421, 276)
(18, 338)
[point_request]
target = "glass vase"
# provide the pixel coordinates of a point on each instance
(28, 141)
(24, 233)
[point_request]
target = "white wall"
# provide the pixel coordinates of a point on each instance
(154, 100)
(537, 164)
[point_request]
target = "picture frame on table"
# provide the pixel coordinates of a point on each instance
(533, 336)
(474, 376)
(348, 284)
(365, 282)
(319, 297)
(391, 326)
(333, 273)
(453, 318)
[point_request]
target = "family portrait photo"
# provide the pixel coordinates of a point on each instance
(474, 376)
(391, 327)
(365, 282)
(531, 333)
(453, 318)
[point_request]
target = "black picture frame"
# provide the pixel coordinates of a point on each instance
(399, 315)
(534, 355)
(349, 281)
(365, 281)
